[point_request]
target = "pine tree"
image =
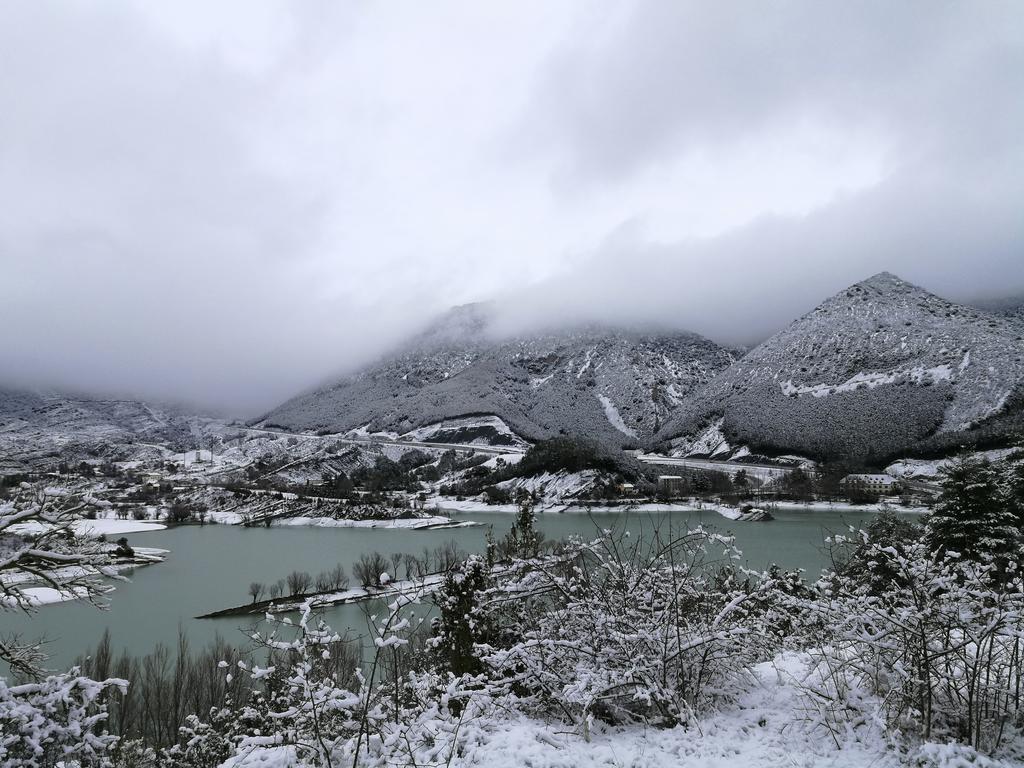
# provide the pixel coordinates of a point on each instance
(523, 541)
(461, 624)
(972, 517)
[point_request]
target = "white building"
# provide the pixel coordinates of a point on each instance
(871, 483)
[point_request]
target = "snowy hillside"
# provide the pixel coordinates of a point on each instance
(38, 427)
(616, 386)
(880, 367)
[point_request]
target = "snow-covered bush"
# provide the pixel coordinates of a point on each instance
(940, 646)
(657, 631)
(306, 706)
(57, 720)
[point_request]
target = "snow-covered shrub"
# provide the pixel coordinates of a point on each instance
(326, 715)
(204, 744)
(58, 719)
(306, 708)
(940, 646)
(443, 716)
(866, 559)
(951, 755)
(658, 631)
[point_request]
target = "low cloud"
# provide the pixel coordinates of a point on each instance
(227, 208)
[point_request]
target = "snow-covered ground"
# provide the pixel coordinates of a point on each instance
(48, 595)
(114, 527)
(469, 506)
(871, 379)
(553, 485)
(710, 442)
(98, 527)
(143, 556)
(444, 430)
(614, 418)
(775, 724)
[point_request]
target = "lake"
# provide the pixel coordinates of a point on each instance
(211, 567)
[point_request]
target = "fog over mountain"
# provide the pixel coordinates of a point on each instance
(228, 205)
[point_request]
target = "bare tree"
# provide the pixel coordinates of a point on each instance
(255, 589)
(338, 577)
(412, 566)
(369, 569)
(447, 556)
(299, 582)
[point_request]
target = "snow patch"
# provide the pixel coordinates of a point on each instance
(428, 433)
(612, 413)
(710, 442)
(48, 595)
(870, 380)
(930, 469)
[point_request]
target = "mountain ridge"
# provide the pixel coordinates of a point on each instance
(878, 367)
(616, 385)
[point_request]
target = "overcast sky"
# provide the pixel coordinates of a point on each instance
(227, 202)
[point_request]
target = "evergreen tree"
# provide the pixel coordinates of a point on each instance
(461, 624)
(875, 563)
(972, 517)
(491, 550)
(523, 541)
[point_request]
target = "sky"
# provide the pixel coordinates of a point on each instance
(228, 203)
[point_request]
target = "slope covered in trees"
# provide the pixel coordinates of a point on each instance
(613, 385)
(881, 367)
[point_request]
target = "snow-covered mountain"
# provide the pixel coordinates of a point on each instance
(39, 428)
(880, 367)
(613, 385)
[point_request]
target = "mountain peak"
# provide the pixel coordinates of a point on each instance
(883, 280)
(883, 287)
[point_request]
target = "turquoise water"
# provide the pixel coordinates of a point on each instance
(211, 567)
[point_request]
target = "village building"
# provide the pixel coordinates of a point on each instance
(670, 485)
(871, 483)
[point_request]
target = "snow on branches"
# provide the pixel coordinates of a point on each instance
(54, 721)
(939, 647)
(656, 632)
(39, 547)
